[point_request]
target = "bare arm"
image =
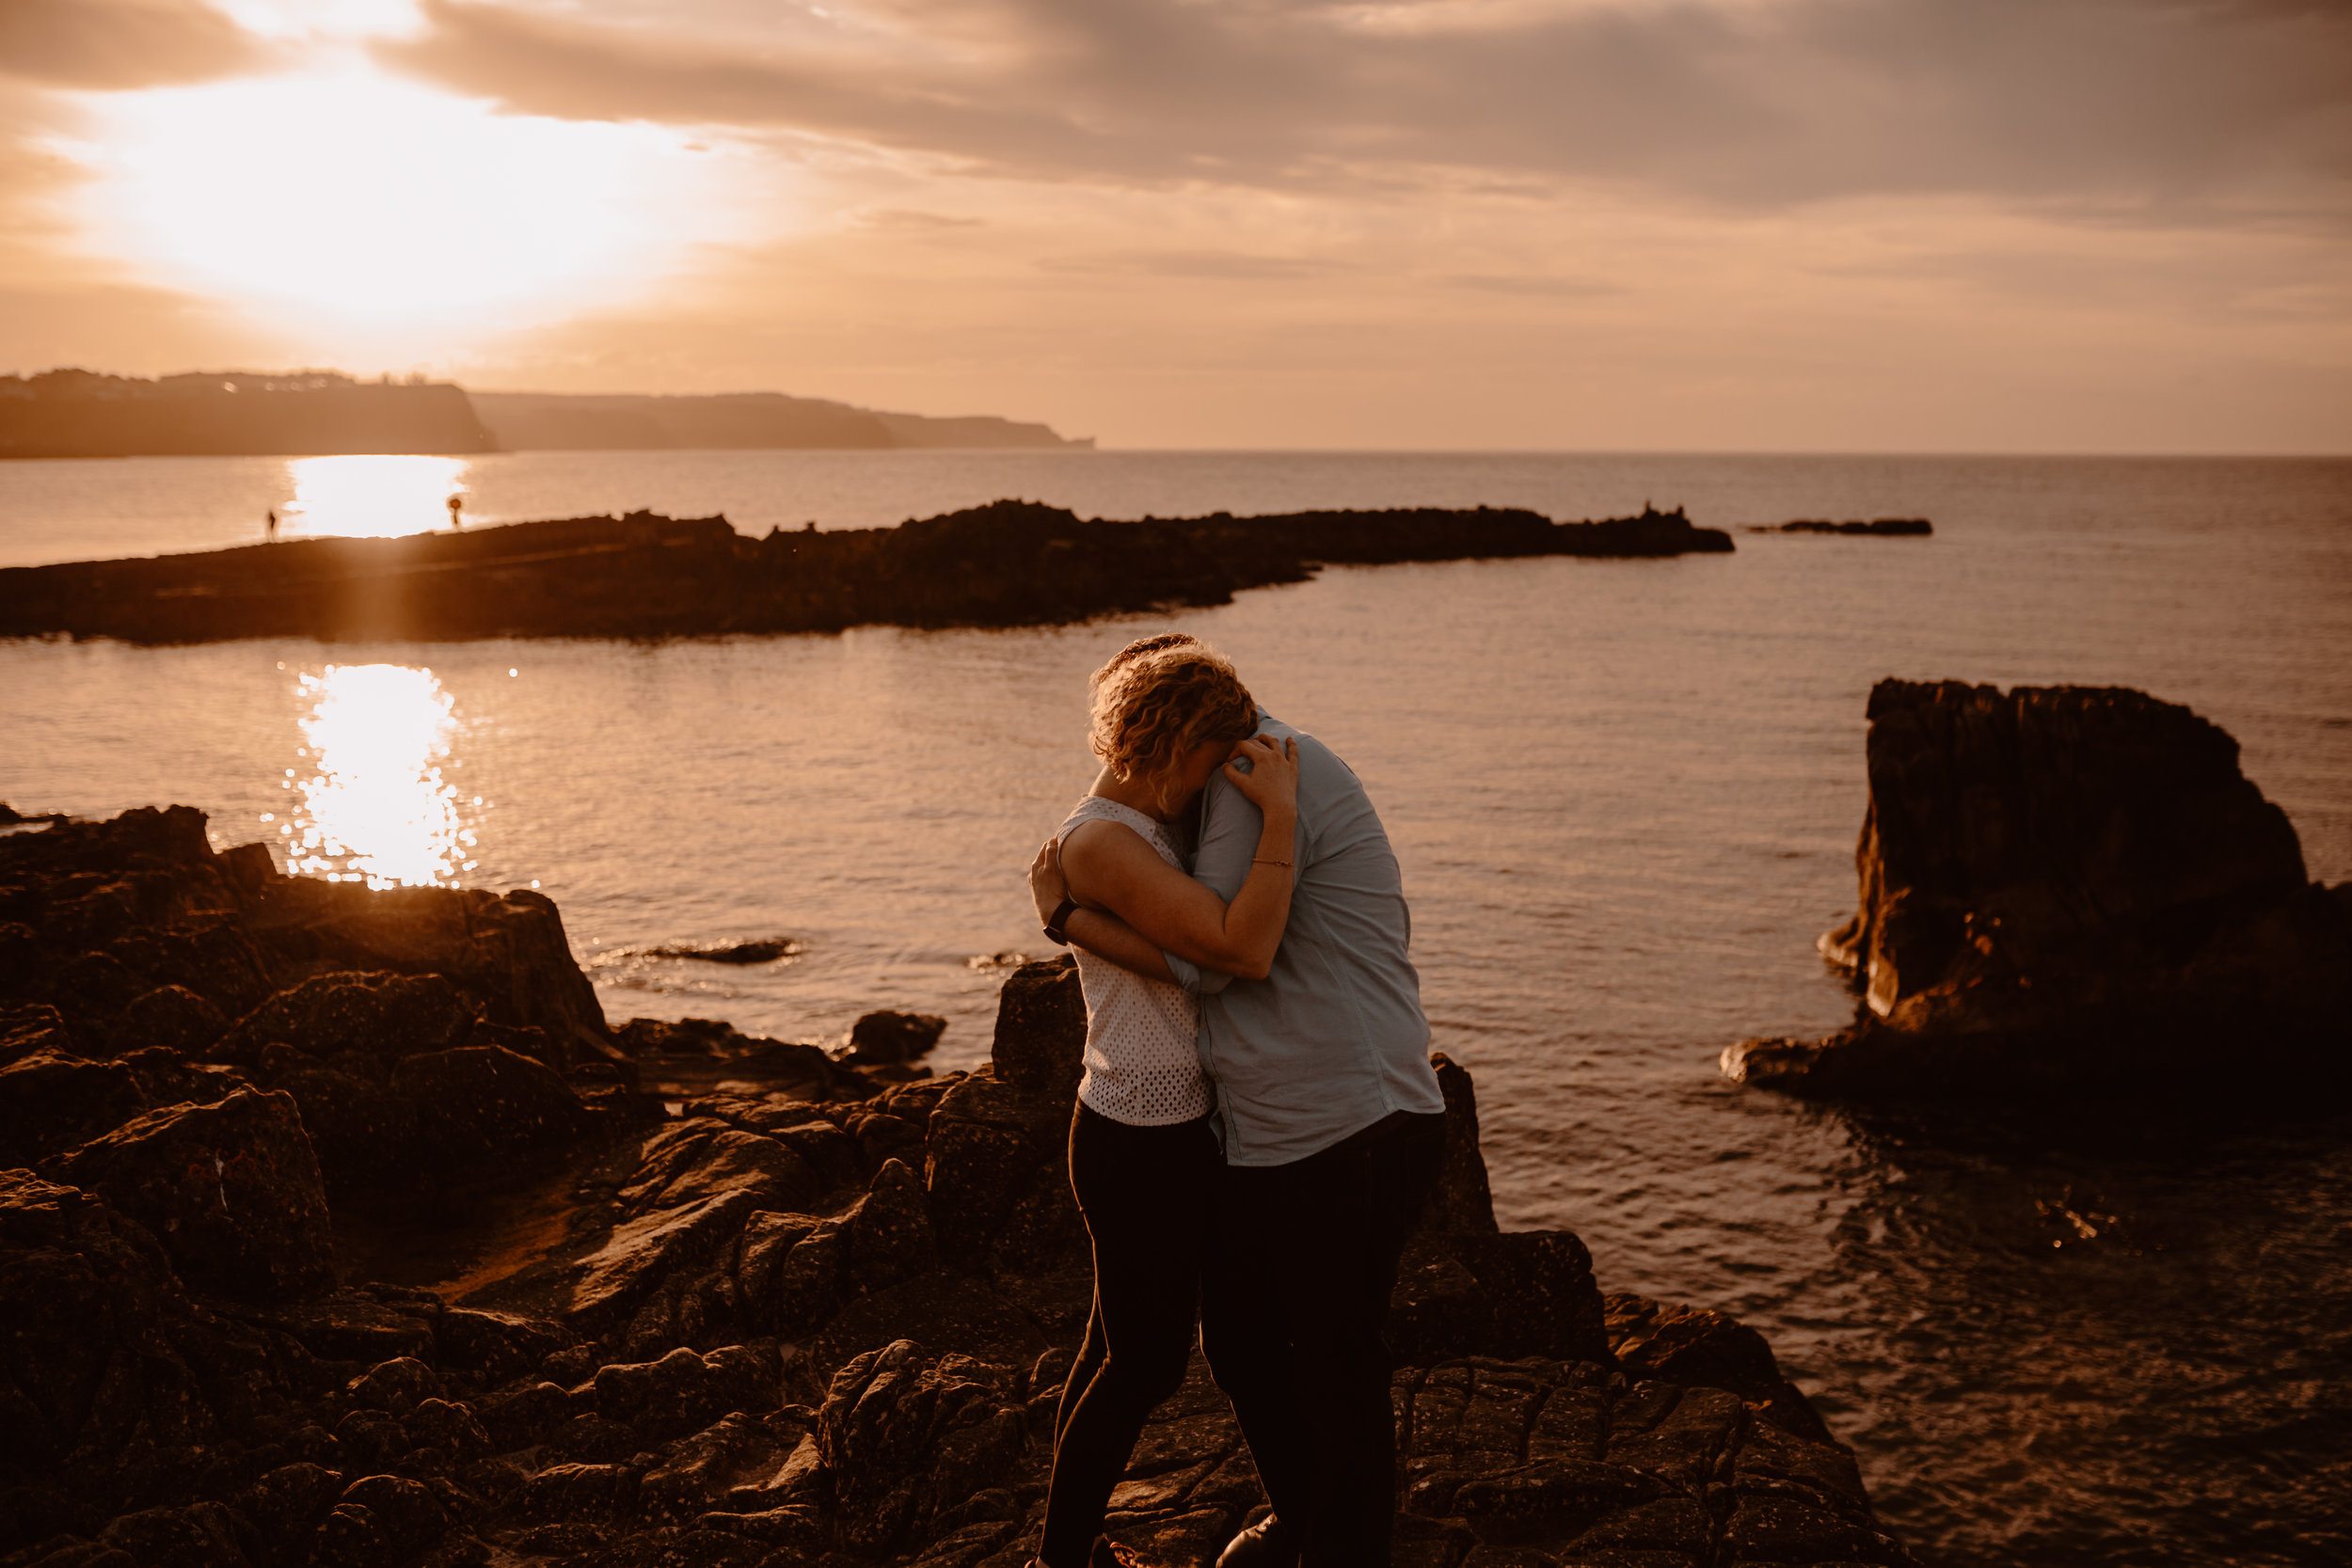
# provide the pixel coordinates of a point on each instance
(1115, 872)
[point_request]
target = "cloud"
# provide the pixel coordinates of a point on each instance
(2177, 105)
(115, 45)
(1193, 263)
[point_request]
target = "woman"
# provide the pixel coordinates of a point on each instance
(1168, 712)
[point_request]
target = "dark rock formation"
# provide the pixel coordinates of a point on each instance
(815, 1319)
(2070, 885)
(153, 982)
(1888, 527)
(1007, 563)
(889, 1039)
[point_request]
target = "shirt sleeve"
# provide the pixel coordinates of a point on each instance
(1229, 840)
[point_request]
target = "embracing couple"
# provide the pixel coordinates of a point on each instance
(1258, 1123)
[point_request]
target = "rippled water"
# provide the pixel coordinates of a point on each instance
(1624, 795)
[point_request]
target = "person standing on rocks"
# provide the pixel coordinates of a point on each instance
(1143, 1158)
(1331, 1125)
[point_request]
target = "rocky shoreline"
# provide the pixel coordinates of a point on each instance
(647, 576)
(819, 1317)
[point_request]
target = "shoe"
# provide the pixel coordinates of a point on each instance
(1264, 1544)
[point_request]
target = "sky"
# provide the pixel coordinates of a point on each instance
(2110, 226)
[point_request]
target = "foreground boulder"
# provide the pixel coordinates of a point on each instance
(422, 1034)
(230, 1189)
(2067, 884)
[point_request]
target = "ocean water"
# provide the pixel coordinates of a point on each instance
(1624, 795)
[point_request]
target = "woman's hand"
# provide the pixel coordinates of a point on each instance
(1048, 887)
(1270, 782)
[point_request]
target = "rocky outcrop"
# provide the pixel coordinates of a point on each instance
(1007, 563)
(823, 1317)
(2070, 885)
(409, 1036)
(1885, 527)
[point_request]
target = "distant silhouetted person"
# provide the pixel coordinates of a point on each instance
(457, 511)
(273, 525)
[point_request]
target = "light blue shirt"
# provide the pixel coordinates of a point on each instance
(1333, 1038)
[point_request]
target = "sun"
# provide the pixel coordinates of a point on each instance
(374, 202)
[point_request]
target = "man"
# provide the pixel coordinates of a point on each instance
(1332, 1124)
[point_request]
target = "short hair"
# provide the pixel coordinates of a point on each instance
(1157, 699)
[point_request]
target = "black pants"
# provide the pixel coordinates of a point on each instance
(1295, 1293)
(1145, 1193)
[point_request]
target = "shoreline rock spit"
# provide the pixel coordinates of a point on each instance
(1006, 564)
(821, 1317)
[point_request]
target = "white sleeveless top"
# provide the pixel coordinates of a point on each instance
(1142, 1056)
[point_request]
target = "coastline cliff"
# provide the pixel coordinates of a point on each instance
(820, 1315)
(76, 413)
(70, 413)
(1007, 563)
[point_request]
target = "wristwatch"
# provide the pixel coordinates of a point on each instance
(1061, 911)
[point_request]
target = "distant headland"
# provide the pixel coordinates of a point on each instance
(76, 413)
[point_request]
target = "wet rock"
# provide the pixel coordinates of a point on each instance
(575, 1492)
(1041, 1032)
(683, 1392)
(286, 1506)
(890, 1231)
(381, 1015)
(888, 1038)
(903, 1436)
(495, 1346)
(518, 1417)
(380, 1519)
(365, 1132)
(2069, 887)
(167, 1078)
(974, 1174)
(51, 1101)
(699, 1472)
(353, 1325)
(232, 1190)
(174, 1018)
(1693, 1345)
(1462, 1203)
(202, 1536)
(395, 1386)
(480, 1101)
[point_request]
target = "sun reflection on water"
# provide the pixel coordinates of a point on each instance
(374, 805)
(373, 496)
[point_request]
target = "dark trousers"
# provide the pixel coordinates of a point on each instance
(1295, 1293)
(1144, 1192)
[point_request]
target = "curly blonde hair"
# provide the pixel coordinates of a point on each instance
(1159, 698)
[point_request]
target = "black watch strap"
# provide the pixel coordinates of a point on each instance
(1063, 912)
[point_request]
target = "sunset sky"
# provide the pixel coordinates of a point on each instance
(1827, 225)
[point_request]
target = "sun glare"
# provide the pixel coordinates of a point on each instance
(372, 804)
(372, 496)
(380, 203)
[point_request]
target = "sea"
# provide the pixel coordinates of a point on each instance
(1625, 793)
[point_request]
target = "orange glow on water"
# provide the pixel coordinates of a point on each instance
(373, 804)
